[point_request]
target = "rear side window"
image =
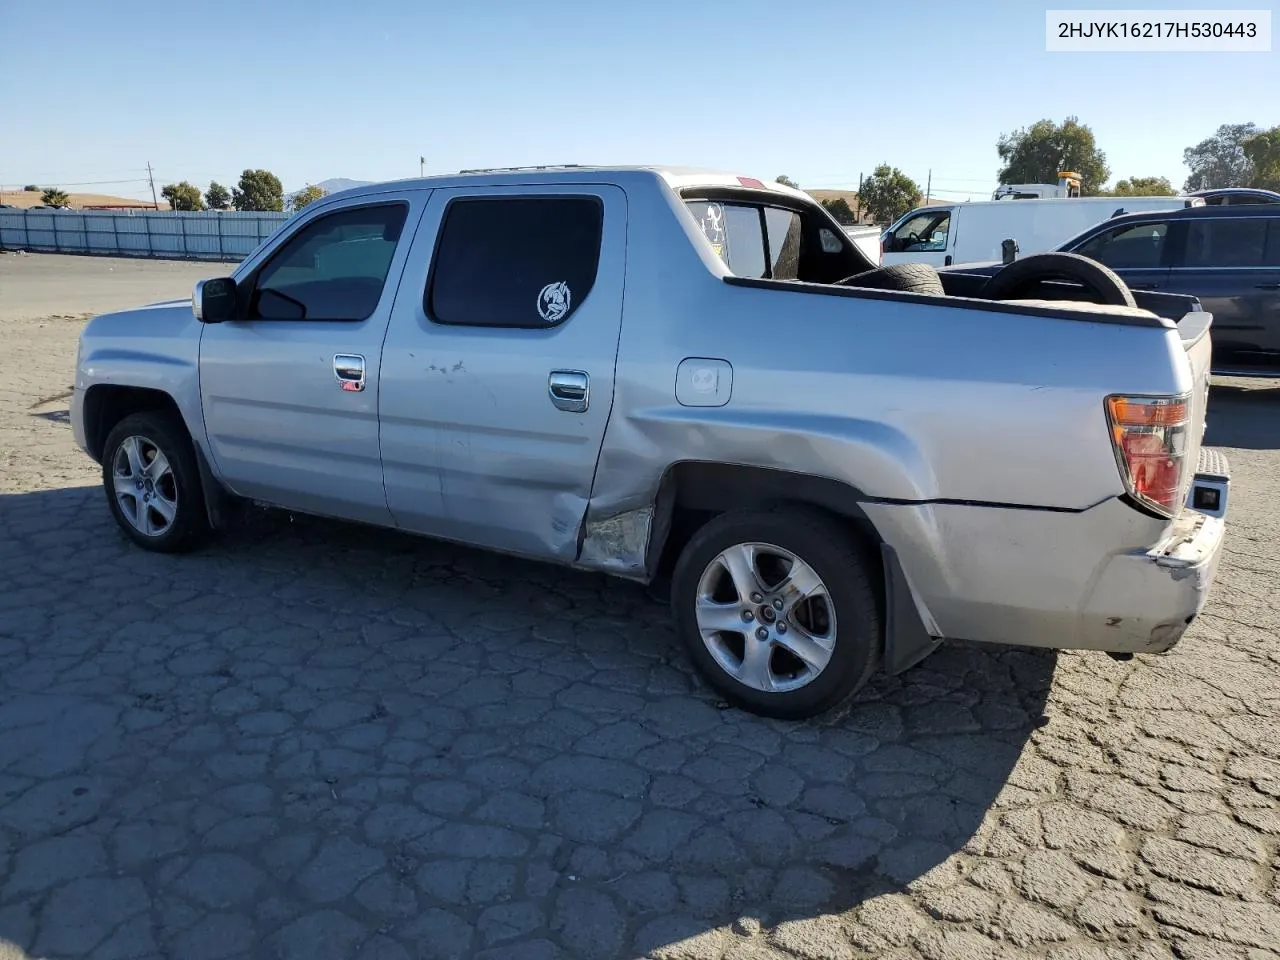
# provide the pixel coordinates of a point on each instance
(334, 268)
(514, 261)
(1235, 242)
(1130, 248)
(753, 241)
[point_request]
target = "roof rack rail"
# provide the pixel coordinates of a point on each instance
(544, 166)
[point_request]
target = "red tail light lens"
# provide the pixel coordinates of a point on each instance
(1149, 435)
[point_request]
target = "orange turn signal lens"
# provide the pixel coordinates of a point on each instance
(1148, 412)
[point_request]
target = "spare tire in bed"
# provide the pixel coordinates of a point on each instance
(907, 277)
(1018, 279)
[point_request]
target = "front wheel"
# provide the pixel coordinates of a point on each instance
(778, 610)
(152, 483)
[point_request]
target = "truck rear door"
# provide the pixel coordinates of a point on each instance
(498, 367)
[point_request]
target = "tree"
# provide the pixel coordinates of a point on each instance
(307, 195)
(217, 197)
(1141, 187)
(1220, 160)
(183, 196)
(787, 182)
(1263, 152)
(31, 188)
(53, 197)
(258, 190)
(1037, 154)
(839, 208)
(888, 193)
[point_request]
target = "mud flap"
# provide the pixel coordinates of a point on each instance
(217, 502)
(906, 640)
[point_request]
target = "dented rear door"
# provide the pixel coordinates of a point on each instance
(498, 368)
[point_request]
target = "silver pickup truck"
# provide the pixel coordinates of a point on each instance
(694, 380)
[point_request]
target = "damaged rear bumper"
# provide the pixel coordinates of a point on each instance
(1144, 601)
(1110, 578)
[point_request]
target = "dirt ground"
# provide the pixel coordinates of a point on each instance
(313, 740)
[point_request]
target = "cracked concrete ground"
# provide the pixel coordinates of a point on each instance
(315, 740)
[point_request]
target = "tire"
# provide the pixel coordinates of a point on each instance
(140, 510)
(1014, 280)
(907, 277)
(733, 660)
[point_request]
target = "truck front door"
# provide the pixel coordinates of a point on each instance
(290, 387)
(498, 368)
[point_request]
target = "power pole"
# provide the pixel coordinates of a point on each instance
(422, 166)
(154, 202)
(859, 198)
(928, 188)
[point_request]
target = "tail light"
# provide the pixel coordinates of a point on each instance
(1150, 437)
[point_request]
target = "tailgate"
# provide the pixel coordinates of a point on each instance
(1193, 329)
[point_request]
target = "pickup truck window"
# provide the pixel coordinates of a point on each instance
(1133, 247)
(514, 261)
(754, 241)
(334, 268)
(1229, 242)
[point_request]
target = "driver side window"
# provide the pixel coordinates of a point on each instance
(923, 233)
(1134, 247)
(332, 269)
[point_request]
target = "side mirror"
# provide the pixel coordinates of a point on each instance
(214, 301)
(1008, 251)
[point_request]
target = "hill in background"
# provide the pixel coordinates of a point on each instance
(31, 198)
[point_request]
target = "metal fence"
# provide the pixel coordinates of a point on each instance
(208, 235)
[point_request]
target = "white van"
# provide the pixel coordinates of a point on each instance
(943, 234)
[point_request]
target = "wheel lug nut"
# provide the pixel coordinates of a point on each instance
(777, 604)
(748, 616)
(757, 598)
(762, 634)
(782, 628)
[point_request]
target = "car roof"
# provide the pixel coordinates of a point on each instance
(1206, 212)
(676, 177)
(1237, 192)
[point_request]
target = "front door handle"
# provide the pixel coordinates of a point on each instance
(570, 390)
(1269, 286)
(349, 369)
(1142, 286)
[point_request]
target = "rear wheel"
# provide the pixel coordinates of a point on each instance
(778, 610)
(152, 483)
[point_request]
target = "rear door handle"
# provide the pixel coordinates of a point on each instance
(1142, 286)
(1269, 286)
(349, 369)
(570, 390)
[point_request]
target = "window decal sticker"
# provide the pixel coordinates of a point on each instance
(554, 301)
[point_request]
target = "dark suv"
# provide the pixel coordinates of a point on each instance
(1227, 256)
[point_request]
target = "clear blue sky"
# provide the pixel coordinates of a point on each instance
(817, 89)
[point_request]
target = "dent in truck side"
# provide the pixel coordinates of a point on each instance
(501, 354)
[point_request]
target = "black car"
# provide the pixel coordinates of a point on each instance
(1227, 256)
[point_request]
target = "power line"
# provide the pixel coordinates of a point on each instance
(84, 183)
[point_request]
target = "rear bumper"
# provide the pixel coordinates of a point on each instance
(1108, 578)
(1144, 601)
